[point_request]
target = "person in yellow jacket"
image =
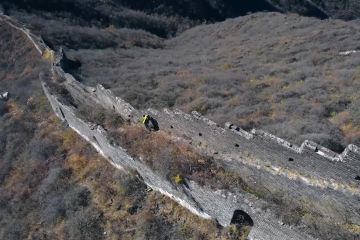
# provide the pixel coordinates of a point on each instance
(145, 119)
(149, 122)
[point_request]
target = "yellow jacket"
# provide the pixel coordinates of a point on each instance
(144, 119)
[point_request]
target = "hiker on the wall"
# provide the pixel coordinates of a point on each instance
(149, 122)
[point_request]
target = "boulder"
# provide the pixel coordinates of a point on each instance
(4, 96)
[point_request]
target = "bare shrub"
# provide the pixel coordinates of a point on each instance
(76, 199)
(54, 210)
(133, 187)
(3, 108)
(172, 158)
(85, 224)
(354, 109)
(100, 116)
(49, 183)
(41, 149)
(63, 92)
(153, 227)
(16, 229)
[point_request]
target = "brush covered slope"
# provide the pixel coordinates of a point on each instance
(53, 184)
(280, 73)
(200, 9)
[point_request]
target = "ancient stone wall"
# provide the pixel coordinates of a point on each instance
(309, 175)
(204, 202)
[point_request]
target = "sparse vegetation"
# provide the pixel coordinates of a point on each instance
(100, 116)
(174, 159)
(272, 83)
(54, 185)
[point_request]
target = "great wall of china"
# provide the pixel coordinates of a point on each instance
(326, 183)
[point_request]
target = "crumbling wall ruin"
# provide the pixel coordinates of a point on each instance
(204, 202)
(325, 182)
(306, 175)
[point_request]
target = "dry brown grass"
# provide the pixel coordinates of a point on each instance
(354, 228)
(146, 143)
(14, 109)
(182, 216)
(351, 131)
(110, 197)
(344, 121)
(32, 190)
(172, 157)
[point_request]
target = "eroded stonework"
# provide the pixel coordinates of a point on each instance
(309, 175)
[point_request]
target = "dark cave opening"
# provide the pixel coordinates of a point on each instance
(241, 218)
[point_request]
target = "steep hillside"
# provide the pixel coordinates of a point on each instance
(346, 9)
(213, 10)
(53, 185)
(282, 73)
(274, 71)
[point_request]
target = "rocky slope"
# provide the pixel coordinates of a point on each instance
(54, 185)
(269, 168)
(258, 168)
(284, 73)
